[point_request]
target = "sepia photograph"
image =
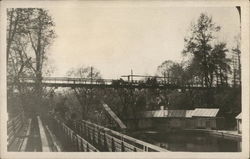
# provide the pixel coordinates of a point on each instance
(124, 76)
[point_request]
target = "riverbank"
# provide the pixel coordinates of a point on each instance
(220, 133)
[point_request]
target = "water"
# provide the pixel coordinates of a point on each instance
(189, 141)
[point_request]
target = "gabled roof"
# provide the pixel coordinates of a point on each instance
(238, 116)
(205, 112)
(154, 113)
(198, 112)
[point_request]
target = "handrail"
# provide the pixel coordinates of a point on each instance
(71, 133)
(13, 126)
(144, 144)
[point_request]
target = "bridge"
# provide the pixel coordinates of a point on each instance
(151, 82)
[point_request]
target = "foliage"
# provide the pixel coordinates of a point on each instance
(30, 32)
(199, 44)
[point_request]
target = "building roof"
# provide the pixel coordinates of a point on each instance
(198, 112)
(205, 112)
(189, 113)
(238, 116)
(176, 113)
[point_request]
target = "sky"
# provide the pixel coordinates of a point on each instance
(116, 39)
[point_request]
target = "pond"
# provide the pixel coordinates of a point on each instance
(188, 141)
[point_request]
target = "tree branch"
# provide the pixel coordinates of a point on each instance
(32, 43)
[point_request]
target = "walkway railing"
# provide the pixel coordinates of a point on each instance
(113, 141)
(72, 138)
(13, 127)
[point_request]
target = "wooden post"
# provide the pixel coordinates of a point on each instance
(77, 144)
(80, 129)
(135, 149)
(99, 139)
(89, 135)
(14, 128)
(87, 147)
(105, 146)
(86, 131)
(81, 146)
(93, 136)
(122, 147)
(113, 144)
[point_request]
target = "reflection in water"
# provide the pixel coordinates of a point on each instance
(189, 141)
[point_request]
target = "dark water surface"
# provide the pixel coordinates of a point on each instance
(188, 141)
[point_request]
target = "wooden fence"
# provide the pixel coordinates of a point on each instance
(13, 127)
(112, 141)
(85, 136)
(71, 138)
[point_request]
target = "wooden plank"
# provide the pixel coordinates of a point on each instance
(11, 133)
(114, 116)
(44, 140)
(24, 145)
(10, 128)
(54, 140)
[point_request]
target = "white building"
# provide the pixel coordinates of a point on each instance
(239, 126)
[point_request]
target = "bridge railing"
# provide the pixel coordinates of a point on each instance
(110, 140)
(13, 127)
(68, 80)
(171, 82)
(72, 138)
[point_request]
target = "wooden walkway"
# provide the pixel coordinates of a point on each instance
(30, 135)
(50, 135)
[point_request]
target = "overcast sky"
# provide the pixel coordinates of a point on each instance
(117, 39)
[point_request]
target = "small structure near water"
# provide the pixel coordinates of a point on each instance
(199, 118)
(205, 118)
(239, 126)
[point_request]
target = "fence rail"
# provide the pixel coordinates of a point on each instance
(70, 136)
(85, 136)
(13, 127)
(113, 141)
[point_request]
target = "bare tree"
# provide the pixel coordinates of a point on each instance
(40, 34)
(30, 32)
(85, 95)
(237, 63)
